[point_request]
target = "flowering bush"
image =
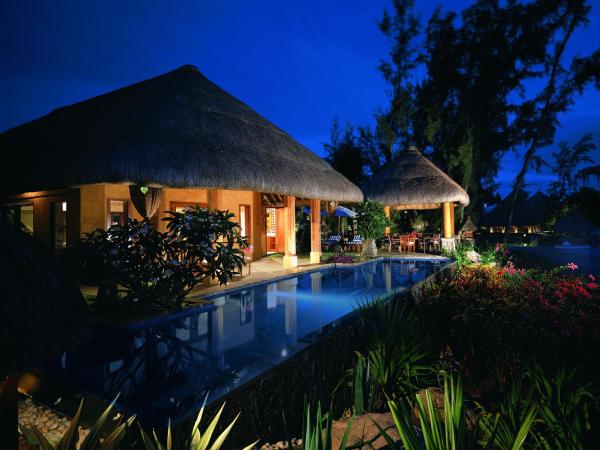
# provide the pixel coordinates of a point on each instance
(502, 316)
(341, 258)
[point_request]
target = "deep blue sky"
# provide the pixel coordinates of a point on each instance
(299, 64)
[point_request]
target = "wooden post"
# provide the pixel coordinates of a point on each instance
(290, 260)
(388, 215)
(315, 231)
(447, 220)
(452, 225)
(214, 199)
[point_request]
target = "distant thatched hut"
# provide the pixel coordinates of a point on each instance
(411, 181)
(528, 217)
(178, 132)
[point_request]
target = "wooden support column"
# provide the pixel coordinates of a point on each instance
(452, 221)
(389, 216)
(214, 199)
(447, 220)
(290, 260)
(315, 231)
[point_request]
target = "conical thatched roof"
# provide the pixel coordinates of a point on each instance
(575, 222)
(42, 312)
(411, 179)
(178, 130)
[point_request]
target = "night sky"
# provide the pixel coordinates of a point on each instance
(299, 64)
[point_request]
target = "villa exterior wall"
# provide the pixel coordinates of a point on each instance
(88, 208)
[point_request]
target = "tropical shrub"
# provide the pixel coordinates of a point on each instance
(137, 265)
(341, 258)
(503, 316)
(395, 356)
(372, 222)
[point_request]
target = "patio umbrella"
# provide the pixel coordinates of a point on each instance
(340, 212)
(42, 311)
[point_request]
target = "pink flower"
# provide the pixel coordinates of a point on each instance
(248, 250)
(572, 266)
(592, 278)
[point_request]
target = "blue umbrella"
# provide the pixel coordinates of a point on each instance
(344, 212)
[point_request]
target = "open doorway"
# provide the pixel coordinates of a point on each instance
(274, 226)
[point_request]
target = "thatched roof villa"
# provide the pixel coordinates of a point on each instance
(411, 181)
(70, 171)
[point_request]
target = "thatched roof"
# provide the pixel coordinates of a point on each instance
(42, 312)
(529, 210)
(575, 222)
(412, 179)
(177, 130)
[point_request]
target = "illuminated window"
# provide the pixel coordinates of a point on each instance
(59, 224)
(271, 222)
(117, 212)
(245, 220)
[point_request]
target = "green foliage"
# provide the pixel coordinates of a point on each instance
(198, 440)
(318, 430)
(567, 159)
(439, 431)
(135, 265)
(371, 219)
(394, 359)
(345, 154)
(97, 438)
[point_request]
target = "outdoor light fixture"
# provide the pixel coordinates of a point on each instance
(64, 206)
(144, 189)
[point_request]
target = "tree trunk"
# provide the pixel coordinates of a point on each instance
(369, 248)
(544, 117)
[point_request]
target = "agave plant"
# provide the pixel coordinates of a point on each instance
(198, 440)
(97, 437)
(319, 435)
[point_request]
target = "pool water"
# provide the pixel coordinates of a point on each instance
(164, 368)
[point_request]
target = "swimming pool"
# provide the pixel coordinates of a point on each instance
(164, 368)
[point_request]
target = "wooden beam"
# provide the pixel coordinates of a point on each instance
(290, 260)
(315, 231)
(447, 219)
(388, 214)
(417, 206)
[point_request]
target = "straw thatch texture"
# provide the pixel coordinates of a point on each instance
(177, 130)
(42, 312)
(411, 179)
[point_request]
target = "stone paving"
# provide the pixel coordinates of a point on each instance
(48, 422)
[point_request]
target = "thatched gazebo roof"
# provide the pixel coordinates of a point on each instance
(575, 222)
(177, 130)
(42, 311)
(412, 179)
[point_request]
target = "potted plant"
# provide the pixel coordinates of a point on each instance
(371, 222)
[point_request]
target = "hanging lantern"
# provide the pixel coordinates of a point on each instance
(145, 199)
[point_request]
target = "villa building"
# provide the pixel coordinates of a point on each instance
(181, 141)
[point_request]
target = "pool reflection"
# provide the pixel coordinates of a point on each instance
(165, 368)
